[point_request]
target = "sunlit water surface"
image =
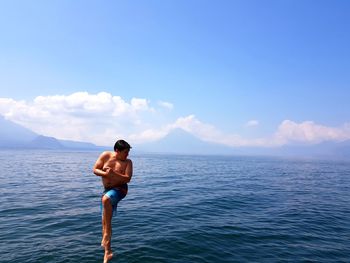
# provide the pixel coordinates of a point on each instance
(179, 209)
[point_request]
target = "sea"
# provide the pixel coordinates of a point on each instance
(180, 208)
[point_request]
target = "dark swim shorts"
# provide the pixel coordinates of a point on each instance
(115, 195)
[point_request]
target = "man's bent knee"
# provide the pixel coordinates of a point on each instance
(106, 200)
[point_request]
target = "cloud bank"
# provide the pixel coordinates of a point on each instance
(97, 118)
(101, 118)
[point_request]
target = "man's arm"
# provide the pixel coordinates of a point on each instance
(98, 167)
(126, 177)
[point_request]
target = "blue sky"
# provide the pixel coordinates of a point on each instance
(242, 73)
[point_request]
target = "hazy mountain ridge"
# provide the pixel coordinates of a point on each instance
(15, 136)
(179, 141)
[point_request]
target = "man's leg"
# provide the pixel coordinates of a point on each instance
(103, 230)
(107, 227)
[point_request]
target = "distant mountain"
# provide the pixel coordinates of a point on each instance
(324, 149)
(15, 136)
(79, 145)
(343, 149)
(44, 142)
(180, 141)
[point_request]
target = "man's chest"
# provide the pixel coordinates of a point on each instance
(116, 165)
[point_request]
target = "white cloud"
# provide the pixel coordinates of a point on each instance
(81, 116)
(166, 105)
(192, 125)
(149, 135)
(101, 118)
(288, 132)
(310, 132)
(252, 123)
(209, 133)
(139, 104)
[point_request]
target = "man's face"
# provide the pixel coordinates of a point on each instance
(123, 154)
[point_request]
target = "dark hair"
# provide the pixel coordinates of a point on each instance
(121, 145)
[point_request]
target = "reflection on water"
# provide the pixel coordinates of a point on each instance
(179, 209)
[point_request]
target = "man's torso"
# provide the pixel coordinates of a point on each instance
(117, 166)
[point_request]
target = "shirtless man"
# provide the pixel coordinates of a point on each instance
(116, 172)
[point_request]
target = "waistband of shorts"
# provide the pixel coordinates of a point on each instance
(121, 187)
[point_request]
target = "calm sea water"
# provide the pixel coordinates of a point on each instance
(179, 209)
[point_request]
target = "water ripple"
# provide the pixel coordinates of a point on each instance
(179, 209)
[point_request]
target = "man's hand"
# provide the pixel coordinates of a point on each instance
(108, 171)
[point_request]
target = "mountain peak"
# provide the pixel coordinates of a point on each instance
(14, 134)
(180, 141)
(44, 142)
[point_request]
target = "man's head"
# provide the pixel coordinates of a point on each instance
(121, 145)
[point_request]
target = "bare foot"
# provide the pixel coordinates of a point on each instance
(108, 256)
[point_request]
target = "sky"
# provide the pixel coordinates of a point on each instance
(235, 72)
